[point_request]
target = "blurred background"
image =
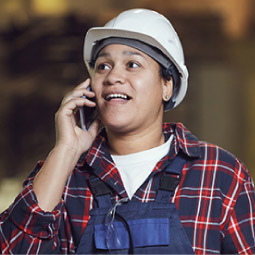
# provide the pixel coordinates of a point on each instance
(41, 43)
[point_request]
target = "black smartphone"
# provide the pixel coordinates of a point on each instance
(87, 115)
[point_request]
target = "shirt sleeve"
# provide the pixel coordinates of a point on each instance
(25, 228)
(239, 236)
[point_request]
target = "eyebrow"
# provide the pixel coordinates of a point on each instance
(126, 53)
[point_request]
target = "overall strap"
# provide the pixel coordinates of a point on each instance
(101, 192)
(170, 179)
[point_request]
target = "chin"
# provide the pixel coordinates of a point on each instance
(119, 124)
(113, 121)
(118, 127)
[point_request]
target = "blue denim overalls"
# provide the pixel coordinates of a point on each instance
(131, 227)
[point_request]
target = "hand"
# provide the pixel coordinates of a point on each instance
(71, 142)
(68, 133)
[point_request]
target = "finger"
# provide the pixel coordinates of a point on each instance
(73, 104)
(78, 93)
(85, 84)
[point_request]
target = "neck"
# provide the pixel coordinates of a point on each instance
(123, 144)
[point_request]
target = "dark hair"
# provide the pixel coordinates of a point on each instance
(169, 72)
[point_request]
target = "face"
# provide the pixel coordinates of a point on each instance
(129, 89)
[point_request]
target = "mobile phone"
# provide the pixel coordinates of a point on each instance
(87, 115)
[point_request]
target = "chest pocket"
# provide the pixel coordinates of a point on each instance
(144, 232)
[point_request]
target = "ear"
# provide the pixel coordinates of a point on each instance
(167, 89)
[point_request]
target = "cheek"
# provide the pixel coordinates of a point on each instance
(94, 83)
(150, 88)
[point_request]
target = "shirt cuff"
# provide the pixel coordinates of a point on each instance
(26, 214)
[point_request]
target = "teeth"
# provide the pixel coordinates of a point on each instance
(111, 96)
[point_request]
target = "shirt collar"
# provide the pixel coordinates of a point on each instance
(183, 140)
(99, 160)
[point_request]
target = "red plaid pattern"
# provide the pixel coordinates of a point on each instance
(215, 200)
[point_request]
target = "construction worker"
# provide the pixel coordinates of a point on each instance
(136, 185)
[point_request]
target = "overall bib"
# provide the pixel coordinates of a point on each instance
(131, 227)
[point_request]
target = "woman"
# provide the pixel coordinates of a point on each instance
(137, 185)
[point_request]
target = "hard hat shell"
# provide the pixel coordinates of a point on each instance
(147, 26)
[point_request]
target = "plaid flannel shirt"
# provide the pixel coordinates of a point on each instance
(215, 200)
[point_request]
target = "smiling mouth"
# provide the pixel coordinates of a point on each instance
(117, 96)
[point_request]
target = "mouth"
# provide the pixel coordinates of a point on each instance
(114, 96)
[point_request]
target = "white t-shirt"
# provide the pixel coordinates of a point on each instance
(135, 168)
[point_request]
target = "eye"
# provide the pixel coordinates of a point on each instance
(132, 64)
(102, 67)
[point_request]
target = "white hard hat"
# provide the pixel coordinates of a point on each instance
(149, 27)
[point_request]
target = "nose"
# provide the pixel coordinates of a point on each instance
(115, 76)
